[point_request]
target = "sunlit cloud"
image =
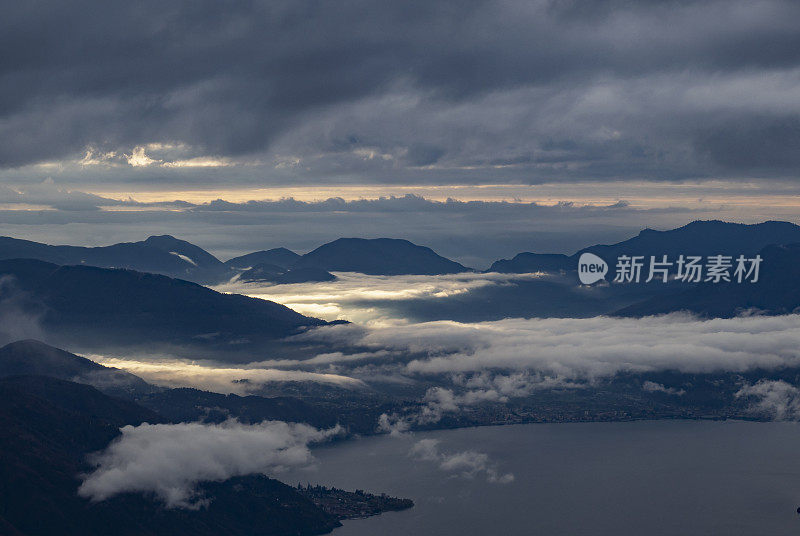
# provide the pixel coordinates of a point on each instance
(218, 378)
(138, 158)
(199, 162)
(350, 296)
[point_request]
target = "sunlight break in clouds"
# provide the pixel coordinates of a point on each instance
(219, 379)
(344, 298)
(169, 460)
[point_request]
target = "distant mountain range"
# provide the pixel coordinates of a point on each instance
(557, 292)
(380, 256)
(167, 255)
(697, 238)
(121, 305)
(164, 255)
(176, 258)
(776, 292)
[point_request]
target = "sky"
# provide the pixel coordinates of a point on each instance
(125, 119)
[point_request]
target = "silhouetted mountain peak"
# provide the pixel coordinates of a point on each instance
(282, 251)
(378, 256)
(188, 251)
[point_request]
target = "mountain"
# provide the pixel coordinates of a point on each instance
(261, 272)
(185, 404)
(274, 274)
(776, 292)
(47, 429)
(379, 256)
(180, 404)
(696, 238)
(84, 304)
(281, 257)
(524, 263)
(30, 357)
(164, 255)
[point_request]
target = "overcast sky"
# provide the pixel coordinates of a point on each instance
(662, 104)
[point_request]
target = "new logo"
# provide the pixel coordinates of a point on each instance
(591, 268)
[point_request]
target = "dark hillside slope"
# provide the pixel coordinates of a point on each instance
(776, 292)
(110, 306)
(30, 357)
(47, 428)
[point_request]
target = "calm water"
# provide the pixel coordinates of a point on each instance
(669, 477)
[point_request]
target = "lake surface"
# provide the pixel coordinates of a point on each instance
(654, 478)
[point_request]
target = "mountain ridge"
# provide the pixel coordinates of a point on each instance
(699, 237)
(378, 256)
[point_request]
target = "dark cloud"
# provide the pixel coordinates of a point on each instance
(419, 91)
(755, 144)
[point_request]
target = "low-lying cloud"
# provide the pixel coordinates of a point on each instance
(474, 363)
(654, 387)
(169, 460)
(468, 464)
(355, 297)
(457, 365)
(584, 348)
(775, 399)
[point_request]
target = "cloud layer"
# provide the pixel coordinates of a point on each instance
(459, 364)
(581, 348)
(433, 92)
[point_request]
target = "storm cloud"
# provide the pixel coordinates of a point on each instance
(259, 92)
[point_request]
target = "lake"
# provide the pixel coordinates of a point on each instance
(655, 478)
